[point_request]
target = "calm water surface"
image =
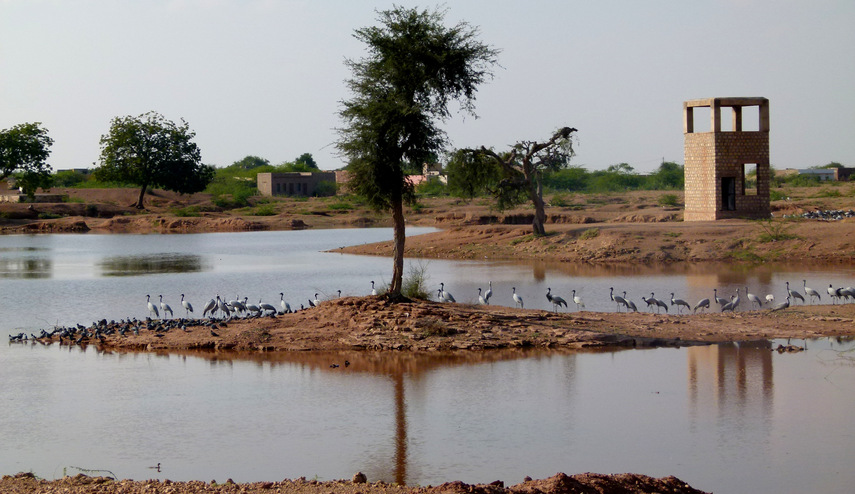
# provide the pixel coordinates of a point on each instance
(725, 418)
(729, 418)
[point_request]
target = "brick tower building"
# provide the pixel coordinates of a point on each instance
(727, 172)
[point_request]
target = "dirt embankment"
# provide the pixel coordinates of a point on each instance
(585, 483)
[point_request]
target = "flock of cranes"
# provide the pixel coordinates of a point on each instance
(729, 304)
(220, 307)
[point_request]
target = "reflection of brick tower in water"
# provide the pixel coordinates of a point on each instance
(727, 172)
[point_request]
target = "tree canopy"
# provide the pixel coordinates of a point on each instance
(151, 151)
(524, 166)
(24, 150)
(414, 68)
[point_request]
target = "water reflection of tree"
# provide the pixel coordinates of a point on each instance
(397, 367)
(26, 268)
(151, 264)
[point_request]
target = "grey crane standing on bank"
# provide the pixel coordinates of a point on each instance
(834, 293)
(617, 299)
(811, 292)
(555, 299)
(373, 290)
(659, 303)
(481, 299)
(518, 301)
(489, 292)
(651, 302)
(578, 301)
(735, 301)
(782, 305)
(703, 303)
(444, 295)
(209, 307)
(679, 303)
(286, 307)
(754, 299)
(187, 307)
(793, 295)
(151, 307)
(630, 305)
(720, 301)
(265, 307)
(165, 307)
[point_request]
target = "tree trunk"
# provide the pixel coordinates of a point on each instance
(398, 251)
(536, 195)
(142, 195)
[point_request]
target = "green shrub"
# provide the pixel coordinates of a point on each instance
(49, 216)
(590, 233)
(668, 200)
(774, 231)
(414, 284)
(325, 188)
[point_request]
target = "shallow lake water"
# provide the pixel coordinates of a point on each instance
(725, 418)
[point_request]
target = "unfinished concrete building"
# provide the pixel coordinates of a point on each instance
(727, 171)
(295, 183)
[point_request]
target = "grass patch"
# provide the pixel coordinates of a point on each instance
(341, 206)
(189, 211)
(76, 200)
(49, 216)
(268, 209)
(668, 200)
(524, 238)
(826, 192)
(590, 233)
(672, 234)
(746, 255)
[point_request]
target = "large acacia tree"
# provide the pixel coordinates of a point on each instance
(24, 150)
(523, 168)
(401, 90)
(151, 151)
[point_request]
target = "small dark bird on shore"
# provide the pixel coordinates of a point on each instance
(214, 334)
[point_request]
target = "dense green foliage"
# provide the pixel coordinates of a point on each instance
(151, 151)
(414, 68)
(616, 178)
(24, 150)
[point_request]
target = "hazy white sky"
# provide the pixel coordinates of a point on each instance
(265, 77)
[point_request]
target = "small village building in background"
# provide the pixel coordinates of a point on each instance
(297, 184)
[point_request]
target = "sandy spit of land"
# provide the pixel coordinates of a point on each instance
(587, 483)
